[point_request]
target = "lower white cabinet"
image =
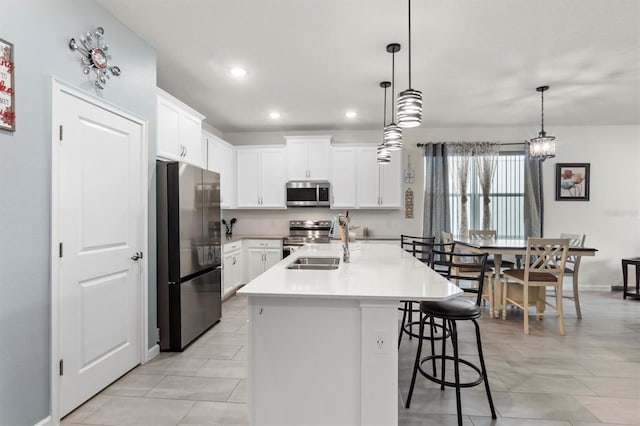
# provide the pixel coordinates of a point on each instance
(232, 267)
(262, 255)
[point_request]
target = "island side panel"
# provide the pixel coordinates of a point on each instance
(379, 363)
(304, 361)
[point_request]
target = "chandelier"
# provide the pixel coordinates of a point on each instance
(543, 146)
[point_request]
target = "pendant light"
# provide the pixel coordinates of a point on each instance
(383, 155)
(392, 132)
(543, 146)
(409, 100)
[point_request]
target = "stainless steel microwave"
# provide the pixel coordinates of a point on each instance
(308, 193)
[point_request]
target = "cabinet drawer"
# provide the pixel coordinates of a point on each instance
(229, 247)
(264, 243)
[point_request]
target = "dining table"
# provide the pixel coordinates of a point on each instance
(500, 247)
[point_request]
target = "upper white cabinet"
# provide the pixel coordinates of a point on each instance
(308, 157)
(179, 129)
(357, 181)
(261, 177)
(221, 159)
(379, 185)
(343, 177)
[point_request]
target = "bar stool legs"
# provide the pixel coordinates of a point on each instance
(453, 332)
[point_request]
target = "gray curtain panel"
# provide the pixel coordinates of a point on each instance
(533, 200)
(436, 192)
(486, 157)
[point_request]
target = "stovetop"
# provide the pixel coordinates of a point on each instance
(308, 231)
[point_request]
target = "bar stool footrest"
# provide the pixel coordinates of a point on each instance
(450, 384)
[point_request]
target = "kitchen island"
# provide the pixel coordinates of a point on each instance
(323, 343)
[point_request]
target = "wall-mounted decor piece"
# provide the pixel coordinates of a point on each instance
(7, 88)
(572, 181)
(408, 204)
(94, 57)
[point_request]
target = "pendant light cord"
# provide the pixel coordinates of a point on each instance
(393, 84)
(409, 44)
(542, 111)
(384, 115)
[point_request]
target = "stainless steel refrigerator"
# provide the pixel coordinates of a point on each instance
(189, 253)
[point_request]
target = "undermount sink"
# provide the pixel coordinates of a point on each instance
(315, 263)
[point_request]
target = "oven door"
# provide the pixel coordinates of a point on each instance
(287, 250)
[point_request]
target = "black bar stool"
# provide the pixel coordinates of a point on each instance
(451, 311)
(633, 261)
(420, 248)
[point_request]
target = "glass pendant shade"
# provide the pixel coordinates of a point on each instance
(543, 146)
(383, 156)
(409, 108)
(392, 137)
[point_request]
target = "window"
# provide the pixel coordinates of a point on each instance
(507, 196)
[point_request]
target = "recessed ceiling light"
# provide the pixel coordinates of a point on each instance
(350, 114)
(274, 115)
(238, 72)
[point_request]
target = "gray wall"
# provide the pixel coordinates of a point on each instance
(40, 31)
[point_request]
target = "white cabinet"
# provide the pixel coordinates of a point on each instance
(232, 267)
(260, 177)
(262, 255)
(221, 159)
(308, 157)
(179, 130)
(379, 185)
(343, 177)
(357, 181)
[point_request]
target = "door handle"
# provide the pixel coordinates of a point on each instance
(136, 256)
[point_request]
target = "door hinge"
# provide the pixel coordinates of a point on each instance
(61, 134)
(60, 250)
(157, 335)
(61, 367)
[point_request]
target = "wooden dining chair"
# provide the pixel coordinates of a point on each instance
(544, 265)
(572, 267)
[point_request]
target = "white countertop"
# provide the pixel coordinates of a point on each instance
(376, 271)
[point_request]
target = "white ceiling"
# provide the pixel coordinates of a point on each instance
(477, 62)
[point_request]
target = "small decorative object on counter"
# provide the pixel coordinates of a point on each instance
(94, 57)
(408, 203)
(229, 226)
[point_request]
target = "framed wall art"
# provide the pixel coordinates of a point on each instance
(572, 181)
(7, 89)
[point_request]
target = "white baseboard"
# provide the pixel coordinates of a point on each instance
(153, 352)
(568, 288)
(44, 422)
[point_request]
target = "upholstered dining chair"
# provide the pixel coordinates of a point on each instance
(544, 265)
(572, 267)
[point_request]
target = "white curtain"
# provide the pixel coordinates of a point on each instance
(486, 158)
(460, 154)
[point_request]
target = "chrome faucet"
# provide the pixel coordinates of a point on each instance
(342, 221)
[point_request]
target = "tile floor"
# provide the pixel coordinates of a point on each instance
(589, 377)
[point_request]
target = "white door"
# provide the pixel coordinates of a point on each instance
(391, 182)
(191, 137)
(271, 257)
(248, 178)
(368, 178)
(256, 262)
(273, 179)
(343, 177)
(318, 158)
(297, 160)
(100, 224)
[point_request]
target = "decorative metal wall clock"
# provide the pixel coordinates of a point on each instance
(94, 56)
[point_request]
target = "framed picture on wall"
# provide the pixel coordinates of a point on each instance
(572, 181)
(7, 90)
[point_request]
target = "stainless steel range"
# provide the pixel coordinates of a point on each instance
(303, 232)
